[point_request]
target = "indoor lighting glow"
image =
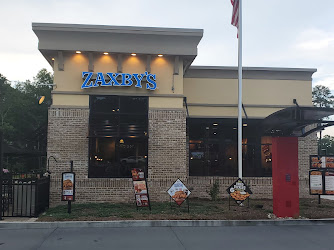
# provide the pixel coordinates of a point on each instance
(106, 53)
(234, 128)
(133, 54)
(121, 141)
(215, 124)
(160, 55)
(52, 59)
(230, 158)
(78, 52)
(245, 125)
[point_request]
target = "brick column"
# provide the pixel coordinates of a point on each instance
(167, 153)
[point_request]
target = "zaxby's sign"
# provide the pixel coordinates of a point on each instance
(145, 80)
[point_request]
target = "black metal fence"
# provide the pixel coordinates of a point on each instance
(24, 195)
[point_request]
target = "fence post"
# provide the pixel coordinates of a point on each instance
(1, 171)
(36, 198)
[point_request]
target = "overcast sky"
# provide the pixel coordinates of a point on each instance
(276, 33)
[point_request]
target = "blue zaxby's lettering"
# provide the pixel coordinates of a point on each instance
(119, 79)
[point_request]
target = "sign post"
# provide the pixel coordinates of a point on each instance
(68, 188)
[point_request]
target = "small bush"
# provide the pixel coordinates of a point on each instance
(214, 191)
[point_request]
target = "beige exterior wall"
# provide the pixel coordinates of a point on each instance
(165, 103)
(70, 100)
(74, 64)
(269, 95)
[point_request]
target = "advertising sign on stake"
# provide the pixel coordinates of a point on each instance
(239, 191)
(140, 187)
(178, 192)
(68, 186)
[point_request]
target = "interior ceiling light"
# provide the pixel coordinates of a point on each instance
(234, 128)
(133, 54)
(78, 52)
(52, 59)
(106, 53)
(245, 125)
(215, 124)
(160, 55)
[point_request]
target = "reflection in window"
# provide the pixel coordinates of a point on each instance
(213, 148)
(117, 135)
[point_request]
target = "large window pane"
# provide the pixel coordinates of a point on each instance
(213, 148)
(118, 135)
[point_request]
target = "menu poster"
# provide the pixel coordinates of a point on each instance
(239, 191)
(142, 200)
(315, 161)
(179, 192)
(68, 186)
(316, 185)
(140, 186)
(137, 174)
(329, 183)
(329, 161)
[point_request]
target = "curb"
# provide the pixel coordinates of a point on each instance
(161, 223)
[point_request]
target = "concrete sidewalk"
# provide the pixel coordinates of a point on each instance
(29, 224)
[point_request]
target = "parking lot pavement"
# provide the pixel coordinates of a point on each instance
(205, 238)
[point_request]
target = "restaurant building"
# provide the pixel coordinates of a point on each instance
(128, 97)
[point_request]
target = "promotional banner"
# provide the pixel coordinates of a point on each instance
(140, 186)
(68, 186)
(179, 192)
(239, 191)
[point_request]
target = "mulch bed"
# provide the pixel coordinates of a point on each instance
(200, 209)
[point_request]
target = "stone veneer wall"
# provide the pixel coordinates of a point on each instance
(167, 160)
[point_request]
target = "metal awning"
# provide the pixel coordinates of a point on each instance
(293, 120)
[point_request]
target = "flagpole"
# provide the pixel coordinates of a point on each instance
(240, 91)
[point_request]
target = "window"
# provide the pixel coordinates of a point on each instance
(213, 148)
(118, 128)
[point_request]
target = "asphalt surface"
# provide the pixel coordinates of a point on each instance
(204, 238)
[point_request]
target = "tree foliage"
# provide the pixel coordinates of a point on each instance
(322, 97)
(326, 145)
(20, 113)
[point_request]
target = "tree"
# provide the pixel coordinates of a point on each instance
(22, 119)
(326, 145)
(322, 97)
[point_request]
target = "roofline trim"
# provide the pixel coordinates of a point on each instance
(224, 68)
(116, 29)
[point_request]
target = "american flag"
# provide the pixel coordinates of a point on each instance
(235, 13)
